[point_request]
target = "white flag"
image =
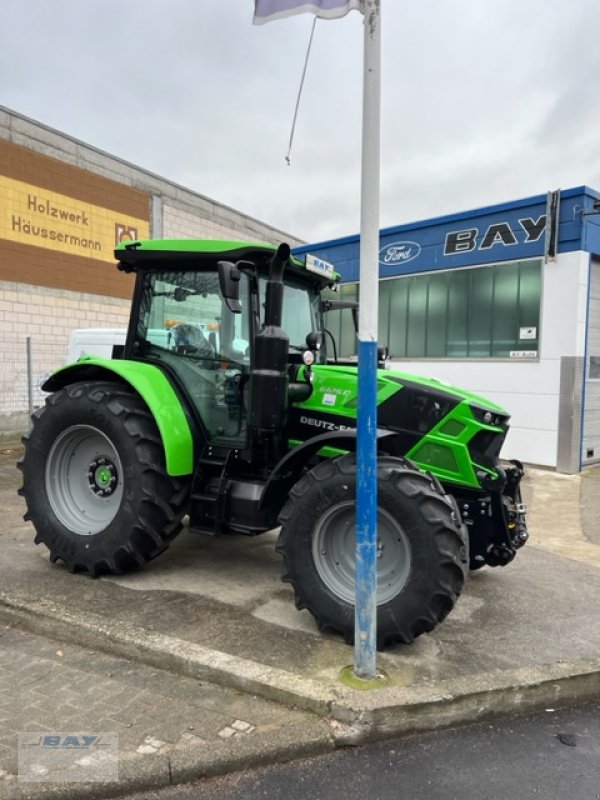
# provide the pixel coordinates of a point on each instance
(267, 10)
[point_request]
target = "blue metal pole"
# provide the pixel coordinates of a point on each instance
(366, 457)
(365, 627)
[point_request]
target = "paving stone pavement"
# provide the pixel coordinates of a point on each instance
(49, 687)
(216, 609)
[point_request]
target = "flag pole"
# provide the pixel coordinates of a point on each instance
(365, 641)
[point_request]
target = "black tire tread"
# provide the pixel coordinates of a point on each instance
(164, 502)
(438, 510)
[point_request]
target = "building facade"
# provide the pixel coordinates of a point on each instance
(503, 301)
(63, 206)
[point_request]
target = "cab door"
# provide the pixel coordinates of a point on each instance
(187, 327)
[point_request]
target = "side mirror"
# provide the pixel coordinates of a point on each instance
(314, 340)
(229, 282)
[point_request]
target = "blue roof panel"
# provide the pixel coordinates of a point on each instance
(502, 232)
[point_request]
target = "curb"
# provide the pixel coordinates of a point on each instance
(358, 715)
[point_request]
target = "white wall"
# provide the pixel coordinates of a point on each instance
(591, 427)
(528, 390)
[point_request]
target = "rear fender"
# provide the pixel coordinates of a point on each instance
(156, 391)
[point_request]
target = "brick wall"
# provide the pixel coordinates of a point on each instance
(179, 223)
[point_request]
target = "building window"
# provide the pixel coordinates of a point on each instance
(482, 312)
(594, 372)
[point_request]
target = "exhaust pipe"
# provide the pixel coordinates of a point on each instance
(274, 294)
(269, 379)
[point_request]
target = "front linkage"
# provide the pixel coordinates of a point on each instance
(495, 520)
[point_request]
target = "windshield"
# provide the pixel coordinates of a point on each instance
(300, 314)
(184, 312)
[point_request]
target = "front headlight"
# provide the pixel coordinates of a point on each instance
(308, 358)
(489, 417)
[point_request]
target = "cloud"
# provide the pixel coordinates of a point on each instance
(481, 102)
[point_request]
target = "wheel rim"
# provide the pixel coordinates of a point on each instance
(84, 480)
(333, 549)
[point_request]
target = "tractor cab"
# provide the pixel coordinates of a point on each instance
(235, 338)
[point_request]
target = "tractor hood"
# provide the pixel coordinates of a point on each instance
(336, 388)
(440, 426)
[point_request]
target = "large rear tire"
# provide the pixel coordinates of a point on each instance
(94, 480)
(422, 558)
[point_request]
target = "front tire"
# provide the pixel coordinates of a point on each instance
(422, 559)
(95, 482)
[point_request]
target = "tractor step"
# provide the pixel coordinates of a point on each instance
(209, 495)
(206, 509)
(203, 531)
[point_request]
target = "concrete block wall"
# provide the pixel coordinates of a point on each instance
(46, 317)
(184, 223)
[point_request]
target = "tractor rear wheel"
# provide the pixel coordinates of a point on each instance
(422, 558)
(94, 480)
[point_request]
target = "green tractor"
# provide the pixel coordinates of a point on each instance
(228, 404)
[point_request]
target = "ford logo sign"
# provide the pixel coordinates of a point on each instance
(399, 252)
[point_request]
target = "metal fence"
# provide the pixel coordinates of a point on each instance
(27, 362)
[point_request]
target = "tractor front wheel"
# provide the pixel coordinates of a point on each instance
(94, 480)
(422, 548)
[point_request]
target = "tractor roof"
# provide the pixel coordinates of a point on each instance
(184, 253)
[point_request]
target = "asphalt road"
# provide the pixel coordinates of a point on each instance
(552, 755)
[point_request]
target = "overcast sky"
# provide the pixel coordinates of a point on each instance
(483, 101)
